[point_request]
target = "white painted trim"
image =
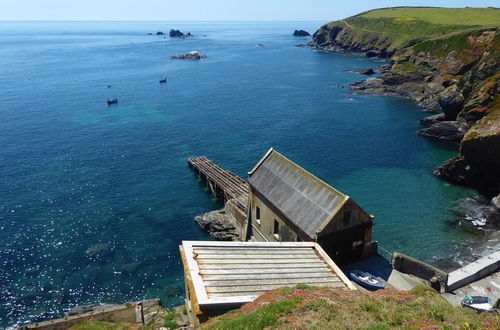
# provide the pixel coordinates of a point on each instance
(335, 268)
(260, 161)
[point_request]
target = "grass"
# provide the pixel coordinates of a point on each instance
(401, 27)
(267, 316)
(441, 16)
(324, 308)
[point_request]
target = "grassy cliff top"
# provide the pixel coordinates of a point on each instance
(409, 25)
(305, 307)
(448, 16)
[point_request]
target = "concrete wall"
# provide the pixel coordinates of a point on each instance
(473, 271)
(264, 226)
(420, 269)
(129, 313)
(237, 218)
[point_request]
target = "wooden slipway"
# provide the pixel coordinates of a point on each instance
(234, 273)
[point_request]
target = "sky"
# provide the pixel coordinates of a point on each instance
(206, 10)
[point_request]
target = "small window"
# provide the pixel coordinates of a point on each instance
(347, 218)
(276, 230)
(257, 213)
(299, 239)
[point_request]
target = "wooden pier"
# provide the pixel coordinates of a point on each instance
(225, 185)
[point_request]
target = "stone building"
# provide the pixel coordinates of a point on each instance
(286, 203)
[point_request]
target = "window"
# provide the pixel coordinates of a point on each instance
(257, 215)
(347, 218)
(299, 239)
(276, 229)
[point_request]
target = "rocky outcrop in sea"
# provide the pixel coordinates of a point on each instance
(301, 33)
(218, 225)
(457, 76)
(192, 55)
(178, 34)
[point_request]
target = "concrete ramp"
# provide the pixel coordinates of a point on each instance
(473, 271)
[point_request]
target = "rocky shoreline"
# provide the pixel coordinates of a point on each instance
(218, 225)
(461, 84)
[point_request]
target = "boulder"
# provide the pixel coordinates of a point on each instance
(496, 201)
(452, 102)
(218, 225)
(301, 33)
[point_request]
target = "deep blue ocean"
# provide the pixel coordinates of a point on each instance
(94, 200)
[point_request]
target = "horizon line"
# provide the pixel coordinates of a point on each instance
(182, 20)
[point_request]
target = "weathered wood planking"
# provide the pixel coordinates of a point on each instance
(231, 185)
(238, 272)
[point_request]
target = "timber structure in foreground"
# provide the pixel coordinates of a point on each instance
(225, 185)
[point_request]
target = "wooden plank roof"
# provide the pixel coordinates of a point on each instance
(303, 198)
(234, 273)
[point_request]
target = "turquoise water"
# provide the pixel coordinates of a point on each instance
(95, 200)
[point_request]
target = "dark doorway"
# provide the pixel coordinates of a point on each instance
(345, 246)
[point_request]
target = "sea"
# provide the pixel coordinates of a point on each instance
(95, 199)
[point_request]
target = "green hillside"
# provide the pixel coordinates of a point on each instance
(442, 16)
(403, 26)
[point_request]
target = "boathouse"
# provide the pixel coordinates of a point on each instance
(287, 203)
(221, 276)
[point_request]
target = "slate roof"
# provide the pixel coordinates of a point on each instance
(303, 198)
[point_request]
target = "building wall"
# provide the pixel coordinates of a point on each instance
(263, 228)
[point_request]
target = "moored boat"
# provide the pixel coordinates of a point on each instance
(478, 303)
(366, 279)
(163, 80)
(112, 101)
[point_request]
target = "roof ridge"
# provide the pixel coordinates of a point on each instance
(315, 178)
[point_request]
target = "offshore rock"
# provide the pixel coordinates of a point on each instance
(301, 33)
(192, 55)
(178, 34)
(218, 225)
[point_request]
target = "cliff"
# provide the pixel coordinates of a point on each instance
(446, 60)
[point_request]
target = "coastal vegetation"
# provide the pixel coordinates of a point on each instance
(305, 307)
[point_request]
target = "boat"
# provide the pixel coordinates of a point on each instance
(112, 101)
(366, 279)
(478, 303)
(163, 80)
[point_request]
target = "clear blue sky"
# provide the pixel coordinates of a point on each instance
(170, 10)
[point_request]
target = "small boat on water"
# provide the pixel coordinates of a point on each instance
(112, 101)
(366, 279)
(163, 80)
(478, 303)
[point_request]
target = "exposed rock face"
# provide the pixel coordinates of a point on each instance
(444, 130)
(218, 225)
(192, 55)
(301, 33)
(457, 74)
(178, 34)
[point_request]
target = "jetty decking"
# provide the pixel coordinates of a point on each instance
(225, 185)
